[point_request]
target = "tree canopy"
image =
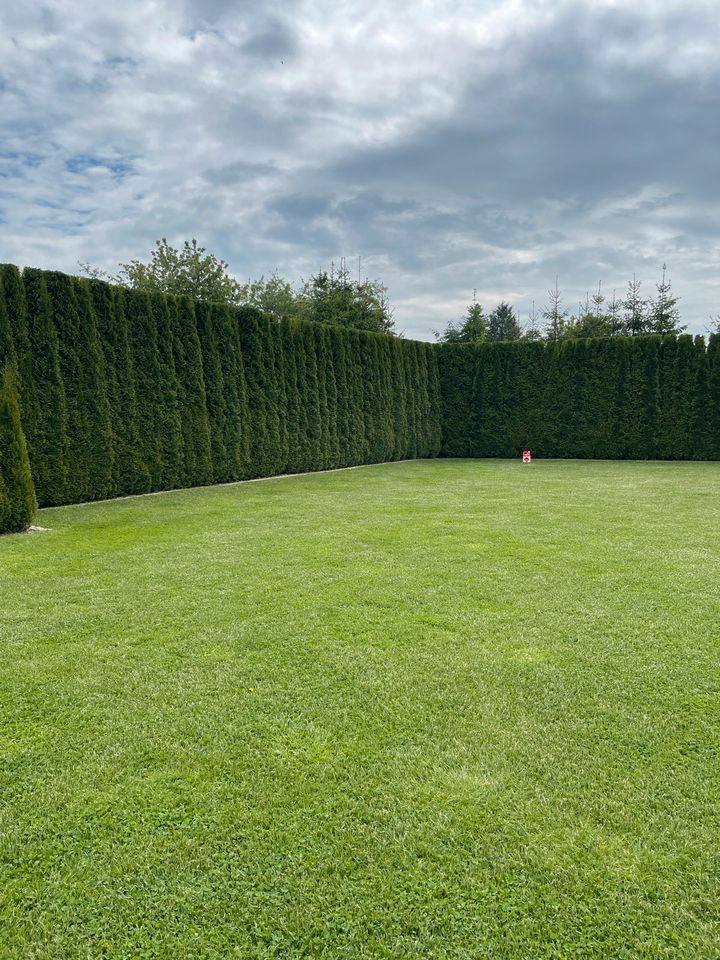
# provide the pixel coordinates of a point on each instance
(473, 328)
(327, 297)
(334, 297)
(189, 271)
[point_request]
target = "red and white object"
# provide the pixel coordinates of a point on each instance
(527, 456)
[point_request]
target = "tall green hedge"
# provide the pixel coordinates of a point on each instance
(618, 398)
(122, 392)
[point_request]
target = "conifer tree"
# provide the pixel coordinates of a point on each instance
(7, 344)
(150, 385)
(261, 417)
(503, 323)
(337, 349)
(67, 322)
(412, 375)
(371, 395)
(614, 315)
(399, 412)
(44, 406)
(435, 438)
(288, 338)
(169, 427)
(129, 471)
(555, 315)
(423, 400)
(238, 428)
(279, 387)
(304, 449)
(632, 404)
(713, 395)
(12, 291)
(457, 365)
(386, 395)
(482, 431)
(635, 309)
(192, 401)
(663, 313)
(99, 440)
(684, 381)
(473, 328)
(360, 447)
(529, 367)
(89, 465)
(700, 440)
(550, 402)
(88, 462)
(325, 360)
(312, 398)
(601, 357)
(17, 493)
(324, 411)
(215, 397)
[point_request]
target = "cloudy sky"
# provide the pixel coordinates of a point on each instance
(453, 145)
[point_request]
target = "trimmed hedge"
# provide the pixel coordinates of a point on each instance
(648, 397)
(122, 392)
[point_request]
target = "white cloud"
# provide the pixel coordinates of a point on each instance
(452, 145)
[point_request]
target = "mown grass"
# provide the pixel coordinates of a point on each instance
(445, 709)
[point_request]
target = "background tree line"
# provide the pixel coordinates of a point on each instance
(334, 296)
(329, 296)
(597, 316)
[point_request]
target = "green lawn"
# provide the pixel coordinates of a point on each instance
(462, 709)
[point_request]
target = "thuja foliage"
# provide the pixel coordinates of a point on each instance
(643, 397)
(126, 391)
(17, 492)
(122, 391)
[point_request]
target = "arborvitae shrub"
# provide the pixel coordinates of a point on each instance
(713, 396)
(237, 418)
(287, 331)
(354, 371)
(214, 389)
(312, 398)
(169, 426)
(129, 471)
(281, 398)
(99, 439)
(255, 362)
(66, 317)
(148, 382)
(45, 416)
(371, 396)
(399, 389)
(12, 296)
(7, 344)
(435, 418)
(700, 437)
(17, 493)
(192, 403)
(329, 397)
